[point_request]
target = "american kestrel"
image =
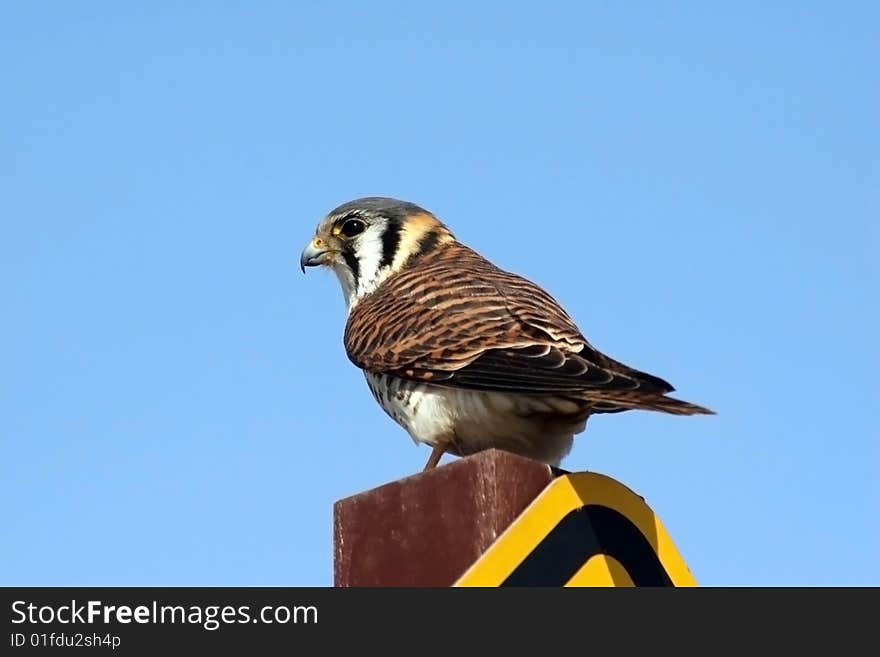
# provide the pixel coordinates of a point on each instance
(462, 354)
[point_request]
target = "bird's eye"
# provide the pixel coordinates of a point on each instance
(352, 227)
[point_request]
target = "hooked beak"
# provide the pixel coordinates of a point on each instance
(314, 254)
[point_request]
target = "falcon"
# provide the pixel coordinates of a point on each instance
(464, 355)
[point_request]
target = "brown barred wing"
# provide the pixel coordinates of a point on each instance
(452, 317)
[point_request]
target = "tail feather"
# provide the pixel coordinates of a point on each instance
(675, 406)
(658, 402)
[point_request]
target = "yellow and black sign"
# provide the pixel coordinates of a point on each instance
(584, 529)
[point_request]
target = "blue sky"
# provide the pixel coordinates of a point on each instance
(697, 184)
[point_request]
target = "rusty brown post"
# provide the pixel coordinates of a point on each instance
(428, 528)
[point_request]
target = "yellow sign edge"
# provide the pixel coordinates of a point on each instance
(563, 495)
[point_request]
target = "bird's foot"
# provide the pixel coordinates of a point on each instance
(436, 454)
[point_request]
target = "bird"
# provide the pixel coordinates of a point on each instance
(461, 353)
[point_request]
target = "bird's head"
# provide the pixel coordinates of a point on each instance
(366, 240)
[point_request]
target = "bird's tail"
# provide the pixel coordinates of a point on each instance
(658, 402)
(676, 406)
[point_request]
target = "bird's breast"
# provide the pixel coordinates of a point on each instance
(476, 419)
(424, 411)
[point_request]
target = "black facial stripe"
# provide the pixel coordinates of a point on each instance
(390, 242)
(428, 243)
(353, 263)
